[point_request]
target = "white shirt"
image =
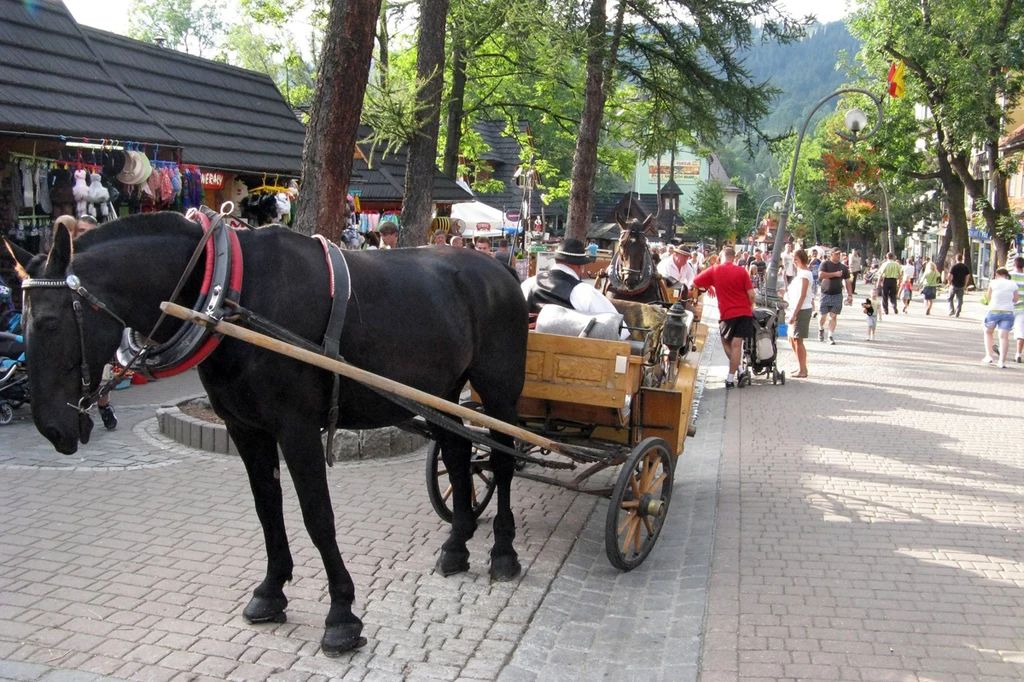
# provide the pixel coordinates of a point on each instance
(1002, 294)
(908, 271)
(793, 292)
(685, 274)
(854, 263)
(787, 264)
(584, 297)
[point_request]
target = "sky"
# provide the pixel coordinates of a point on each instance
(112, 15)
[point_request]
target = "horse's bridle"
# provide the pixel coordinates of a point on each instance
(618, 272)
(86, 399)
(89, 398)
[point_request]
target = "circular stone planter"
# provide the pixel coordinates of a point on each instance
(206, 434)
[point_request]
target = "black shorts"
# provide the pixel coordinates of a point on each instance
(737, 327)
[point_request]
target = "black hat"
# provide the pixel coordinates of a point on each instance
(573, 251)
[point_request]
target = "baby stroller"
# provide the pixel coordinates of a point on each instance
(760, 351)
(13, 377)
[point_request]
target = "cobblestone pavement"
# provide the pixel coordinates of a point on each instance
(597, 623)
(133, 560)
(869, 519)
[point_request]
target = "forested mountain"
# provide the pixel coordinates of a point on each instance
(805, 71)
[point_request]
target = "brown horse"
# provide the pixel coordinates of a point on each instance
(631, 276)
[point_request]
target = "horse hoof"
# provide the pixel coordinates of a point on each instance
(266, 610)
(450, 563)
(338, 639)
(505, 568)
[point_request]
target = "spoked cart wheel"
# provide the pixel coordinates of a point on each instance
(6, 414)
(639, 504)
(440, 491)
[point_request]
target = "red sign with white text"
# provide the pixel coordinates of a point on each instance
(212, 180)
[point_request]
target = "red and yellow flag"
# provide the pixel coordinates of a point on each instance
(896, 80)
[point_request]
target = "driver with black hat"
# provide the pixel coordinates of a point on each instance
(562, 284)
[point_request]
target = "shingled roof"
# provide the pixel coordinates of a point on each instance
(53, 83)
(61, 78)
(224, 116)
(383, 180)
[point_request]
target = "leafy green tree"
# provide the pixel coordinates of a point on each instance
(689, 71)
(248, 46)
(966, 59)
(192, 26)
(711, 219)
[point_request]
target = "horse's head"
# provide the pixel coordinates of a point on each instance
(633, 251)
(66, 342)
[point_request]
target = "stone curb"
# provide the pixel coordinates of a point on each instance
(348, 445)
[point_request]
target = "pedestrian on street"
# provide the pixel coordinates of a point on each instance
(910, 273)
(834, 277)
(856, 265)
(871, 316)
(1017, 276)
(787, 262)
(815, 266)
(1001, 297)
(929, 281)
(735, 292)
(957, 279)
(906, 292)
(888, 280)
(388, 234)
(798, 298)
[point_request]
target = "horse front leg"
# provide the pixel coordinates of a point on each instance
(304, 453)
(258, 451)
(456, 453)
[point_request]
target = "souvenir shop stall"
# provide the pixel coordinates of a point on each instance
(259, 200)
(46, 177)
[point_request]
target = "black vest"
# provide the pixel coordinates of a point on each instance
(554, 287)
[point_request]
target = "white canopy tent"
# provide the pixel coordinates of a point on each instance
(478, 215)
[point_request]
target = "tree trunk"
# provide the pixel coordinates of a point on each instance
(383, 51)
(613, 49)
(334, 117)
(418, 205)
(1000, 203)
(456, 102)
(944, 259)
(584, 161)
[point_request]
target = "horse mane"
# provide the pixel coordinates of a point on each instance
(163, 223)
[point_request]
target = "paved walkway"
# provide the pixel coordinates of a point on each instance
(870, 518)
(864, 524)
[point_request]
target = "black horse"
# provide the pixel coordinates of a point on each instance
(429, 318)
(631, 276)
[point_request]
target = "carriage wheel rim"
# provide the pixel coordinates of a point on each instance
(640, 514)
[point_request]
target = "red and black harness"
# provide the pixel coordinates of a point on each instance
(219, 294)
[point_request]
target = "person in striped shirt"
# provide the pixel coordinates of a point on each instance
(889, 275)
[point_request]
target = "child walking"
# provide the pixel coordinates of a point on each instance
(906, 293)
(872, 318)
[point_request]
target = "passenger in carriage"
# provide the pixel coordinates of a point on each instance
(562, 283)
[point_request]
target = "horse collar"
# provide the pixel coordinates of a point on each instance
(222, 284)
(615, 279)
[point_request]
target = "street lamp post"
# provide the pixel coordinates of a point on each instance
(856, 120)
(757, 220)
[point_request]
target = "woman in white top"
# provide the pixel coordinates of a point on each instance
(799, 300)
(1002, 297)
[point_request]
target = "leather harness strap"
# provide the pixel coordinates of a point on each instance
(341, 291)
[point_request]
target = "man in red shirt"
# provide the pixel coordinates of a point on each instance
(735, 292)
